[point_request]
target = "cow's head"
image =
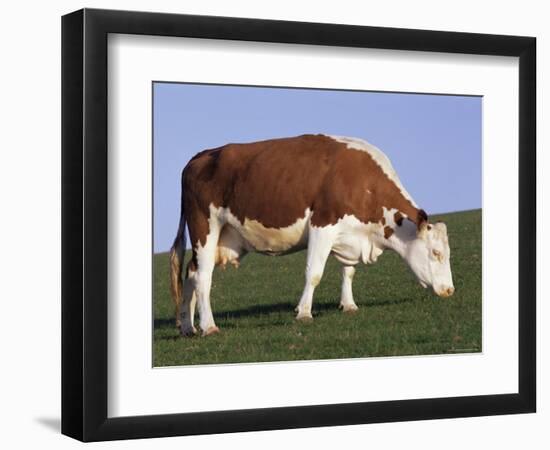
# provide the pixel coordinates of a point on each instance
(429, 255)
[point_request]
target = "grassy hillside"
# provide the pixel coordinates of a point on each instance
(254, 308)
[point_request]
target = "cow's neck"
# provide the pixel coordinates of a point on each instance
(400, 239)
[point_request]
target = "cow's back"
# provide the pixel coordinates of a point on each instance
(272, 182)
(275, 183)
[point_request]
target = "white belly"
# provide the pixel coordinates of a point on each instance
(238, 238)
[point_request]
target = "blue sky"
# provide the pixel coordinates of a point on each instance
(433, 141)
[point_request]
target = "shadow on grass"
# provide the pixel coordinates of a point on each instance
(319, 308)
(256, 310)
(378, 303)
(165, 323)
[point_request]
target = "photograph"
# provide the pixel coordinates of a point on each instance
(294, 224)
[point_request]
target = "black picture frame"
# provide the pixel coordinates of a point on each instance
(84, 224)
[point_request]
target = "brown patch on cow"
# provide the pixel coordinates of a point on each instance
(388, 231)
(275, 181)
(383, 221)
(398, 218)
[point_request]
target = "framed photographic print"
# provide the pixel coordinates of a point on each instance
(273, 224)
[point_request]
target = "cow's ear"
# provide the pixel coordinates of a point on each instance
(421, 219)
(422, 223)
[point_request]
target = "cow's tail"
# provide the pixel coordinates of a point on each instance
(177, 253)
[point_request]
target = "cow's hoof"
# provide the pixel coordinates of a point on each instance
(210, 331)
(305, 318)
(178, 324)
(349, 309)
(188, 332)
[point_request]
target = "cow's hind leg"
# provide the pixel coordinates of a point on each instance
(206, 260)
(320, 243)
(346, 300)
(189, 302)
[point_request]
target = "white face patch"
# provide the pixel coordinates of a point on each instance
(379, 157)
(429, 258)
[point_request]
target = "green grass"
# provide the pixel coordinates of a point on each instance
(254, 308)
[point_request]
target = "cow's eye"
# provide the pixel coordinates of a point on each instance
(437, 254)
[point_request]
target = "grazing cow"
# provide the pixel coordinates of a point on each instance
(328, 194)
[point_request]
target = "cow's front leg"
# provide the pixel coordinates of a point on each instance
(319, 247)
(346, 300)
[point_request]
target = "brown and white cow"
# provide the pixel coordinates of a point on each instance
(331, 195)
